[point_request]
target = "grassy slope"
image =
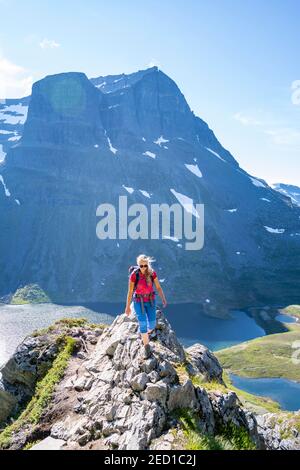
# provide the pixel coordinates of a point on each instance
(269, 356)
(228, 438)
(254, 403)
(43, 393)
(31, 415)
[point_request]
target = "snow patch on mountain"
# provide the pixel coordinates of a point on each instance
(111, 148)
(5, 132)
(6, 190)
(101, 85)
(257, 183)
(186, 202)
(128, 189)
(2, 153)
(274, 230)
(149, 154)
(216, 154)
(161, 140)
(14, 114)
(168, 237)
(194, 169)
(14, 138)
(145, 193)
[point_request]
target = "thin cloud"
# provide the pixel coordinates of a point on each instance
(14, 80)
(277, 131)
(285, 136)
(247, 120)
(49, 44)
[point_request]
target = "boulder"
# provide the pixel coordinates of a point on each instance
(203, 361)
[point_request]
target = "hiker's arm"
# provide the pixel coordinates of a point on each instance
(160, 291)
(129, 294)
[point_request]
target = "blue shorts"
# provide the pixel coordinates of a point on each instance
(149, 315)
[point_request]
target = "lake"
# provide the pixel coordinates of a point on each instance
(18, 321)
(285, 392)
(189, 323)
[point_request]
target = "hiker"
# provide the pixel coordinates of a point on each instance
(140, 284)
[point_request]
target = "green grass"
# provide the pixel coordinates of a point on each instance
(269, 356)
(65, 323)
(197, 380)
(30, 444)
(43, 393)
(229, 437)
(254, 402)
(290, 421)
(212, 386)
(30, 294)
(78, 322)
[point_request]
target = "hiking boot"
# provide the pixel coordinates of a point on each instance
(146, 351)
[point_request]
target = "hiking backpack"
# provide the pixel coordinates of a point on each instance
(136, 270)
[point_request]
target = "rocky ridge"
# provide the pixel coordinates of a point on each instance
(110, 397)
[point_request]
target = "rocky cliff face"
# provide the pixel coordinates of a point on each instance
(111, 397)
(32, 360)
(280, 431)
(87, 142)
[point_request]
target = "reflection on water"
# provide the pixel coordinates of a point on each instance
(286, 392)
(191, 326)
(18, 321)
(187, 320)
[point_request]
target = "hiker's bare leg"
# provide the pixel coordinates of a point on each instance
(145, 338)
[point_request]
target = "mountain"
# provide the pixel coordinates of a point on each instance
(87, 142)
(289, 190)
(13, 114)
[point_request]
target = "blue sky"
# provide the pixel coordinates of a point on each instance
(236, 62)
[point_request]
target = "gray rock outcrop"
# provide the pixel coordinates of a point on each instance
(30, 363)
(280, 431)
(131, 400)
(112, 398)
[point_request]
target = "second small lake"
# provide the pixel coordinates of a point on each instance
(285, 392)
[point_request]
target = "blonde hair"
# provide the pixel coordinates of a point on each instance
(149, 269)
